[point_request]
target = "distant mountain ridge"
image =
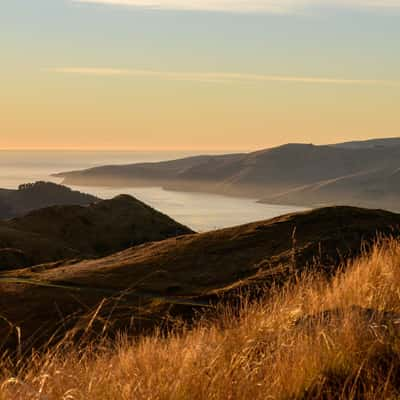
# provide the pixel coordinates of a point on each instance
(31, 196)
(355, 173)
(357, 144)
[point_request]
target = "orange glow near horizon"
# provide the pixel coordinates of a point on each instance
(125, 78)
(129, 114)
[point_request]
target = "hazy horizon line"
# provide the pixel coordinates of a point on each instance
(125, 150)
(193, 150)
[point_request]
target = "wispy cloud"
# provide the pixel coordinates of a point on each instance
(272, 6)
(218, 77)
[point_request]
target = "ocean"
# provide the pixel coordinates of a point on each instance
(200, 211)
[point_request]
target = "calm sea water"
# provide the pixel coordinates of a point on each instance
(201, 212)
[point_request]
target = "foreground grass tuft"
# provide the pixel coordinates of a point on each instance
(312, 339)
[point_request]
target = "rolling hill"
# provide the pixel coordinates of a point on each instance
(73, 231)
(372, 188)
(139, 287)
(356, 173)
(32, 196)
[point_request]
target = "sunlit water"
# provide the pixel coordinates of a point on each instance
(201, 212)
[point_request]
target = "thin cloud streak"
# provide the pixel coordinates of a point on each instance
(270, 6)
(215, 77)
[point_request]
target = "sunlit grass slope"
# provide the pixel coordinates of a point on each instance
(146, 284)
(314, 338)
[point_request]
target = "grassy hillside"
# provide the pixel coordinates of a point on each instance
(312, 339)
(65, 232)
(143, 286)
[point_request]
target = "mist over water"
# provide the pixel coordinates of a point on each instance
(199, 211)
(18, 167)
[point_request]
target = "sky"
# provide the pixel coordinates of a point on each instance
(197, 74)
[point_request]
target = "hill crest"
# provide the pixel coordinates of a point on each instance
(176, 276)
(74, 231)
(293, 169)
(31, 196)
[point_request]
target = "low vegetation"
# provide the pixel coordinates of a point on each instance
(174, 276)
(315, 338)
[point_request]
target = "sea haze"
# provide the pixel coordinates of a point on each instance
(199, 211)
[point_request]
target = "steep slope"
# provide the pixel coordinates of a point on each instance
(37, 195)
(62, 232)
(143, 282)
(261, 174)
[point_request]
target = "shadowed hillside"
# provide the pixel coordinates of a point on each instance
(357, 173)
(32, 196)
(62, 232)
(369, 189)
(179, 275)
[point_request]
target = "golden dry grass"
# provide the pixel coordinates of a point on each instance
(269, 350)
